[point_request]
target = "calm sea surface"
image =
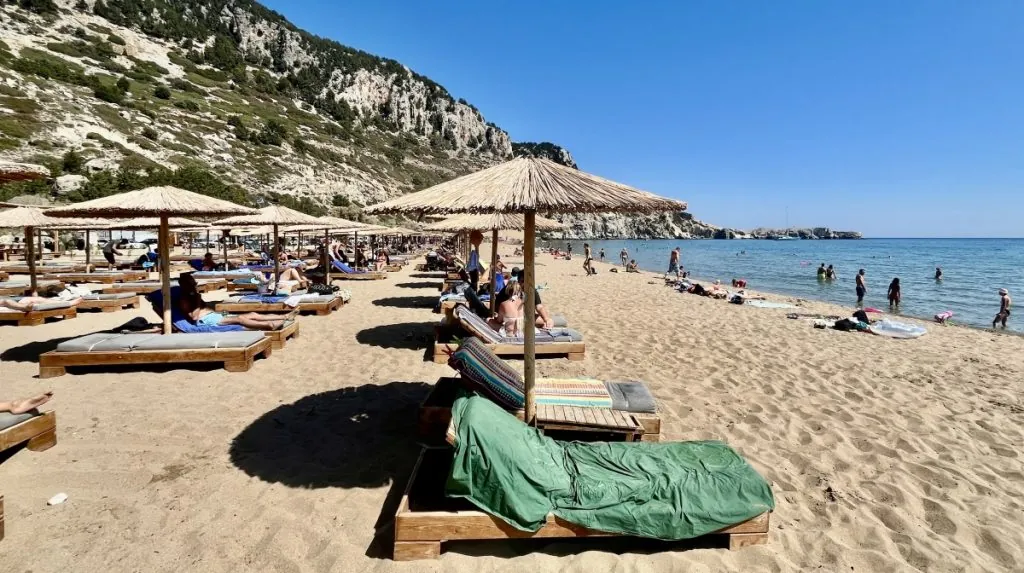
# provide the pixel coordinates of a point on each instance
(973, 270)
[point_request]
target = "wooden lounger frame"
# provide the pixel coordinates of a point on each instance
(443, 346)
(231, 287)
(54, 363)
(419, 534)
(111, 305)
(367, 276)
(318, 308)
(280, 336)
(38, 433)
(105, 278)
(435, 413)
(4, 276)
(24, 290)
(211, 285)
(37, 317)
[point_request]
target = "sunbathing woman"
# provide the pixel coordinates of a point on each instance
(26, 404)
(191, 303)
(28, 303)
(510, 311)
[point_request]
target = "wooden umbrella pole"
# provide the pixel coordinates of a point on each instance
(530, 317)
(277, 262)
(494, 267)
(224, 237)
(163, 256)
(207, 249)
(87, 253)
(327, 257)
(31, 256)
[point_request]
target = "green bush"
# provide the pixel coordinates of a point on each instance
(109, 93)
(39, 6)
(115, 39)
(186, 104)
(235, 121)
(273, 133)
(150, 133)
(161, 92)
(72, 162)
(124, 84)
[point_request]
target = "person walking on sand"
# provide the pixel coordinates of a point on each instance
(474, 267)
(1004, 308)
(624, 256)
(895, 295)
(109, 250)
(862, 288)
(600, 255)
(673, 262)
(587, 259)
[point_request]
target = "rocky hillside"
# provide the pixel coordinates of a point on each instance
(111, 93)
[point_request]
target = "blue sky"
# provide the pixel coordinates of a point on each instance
(893, 118)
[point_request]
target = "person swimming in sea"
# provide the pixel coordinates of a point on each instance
(830, 273)
(821, 272)
(938, 273)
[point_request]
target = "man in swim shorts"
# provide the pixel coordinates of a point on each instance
(862, 288)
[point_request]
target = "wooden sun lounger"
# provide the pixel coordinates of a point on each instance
(4, 276)
(599, 423)
(64, 267)
(425, 518)
(202, 285)
(37, 433)
(319, 308)
(106, 278)
(37, 317)
(54, 363)
(244, 287)
(367, 276)
(111, 305)
(280, 336)
(444, 344)
(24, 289)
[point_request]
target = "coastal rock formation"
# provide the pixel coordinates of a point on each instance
(805, 233)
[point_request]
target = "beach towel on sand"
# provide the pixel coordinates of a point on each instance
(668, 490)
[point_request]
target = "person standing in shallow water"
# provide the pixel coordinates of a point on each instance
(1004, 308)
(862, 288)
(821, 272)
(600, 255)
(673, 262)
(895, 294)
(830, 273)
(624, 256)
(938, 273)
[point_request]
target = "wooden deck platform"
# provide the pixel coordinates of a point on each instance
(37, 317)
(426, 519)
(54, 363)
(112, 305)
(311, 307)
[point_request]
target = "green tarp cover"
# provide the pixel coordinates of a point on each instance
(674, 490)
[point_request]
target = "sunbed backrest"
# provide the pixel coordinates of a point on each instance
(483, 371)
(476, 325)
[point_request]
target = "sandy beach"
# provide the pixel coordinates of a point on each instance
(883, 455)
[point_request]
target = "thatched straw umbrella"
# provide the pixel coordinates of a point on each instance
(10, 172)
(494, 222)
(162, 202)
(274, 215)
(527, 185)
(27, 218)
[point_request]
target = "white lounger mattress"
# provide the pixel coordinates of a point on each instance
(114, 342)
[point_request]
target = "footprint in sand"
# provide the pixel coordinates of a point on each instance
(938, 518)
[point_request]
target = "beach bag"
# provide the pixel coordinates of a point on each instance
(321, 289)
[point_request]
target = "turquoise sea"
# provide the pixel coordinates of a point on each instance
(973, 270)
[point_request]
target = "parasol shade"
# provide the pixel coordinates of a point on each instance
(488, 222)
(152, 202)
(529, 184)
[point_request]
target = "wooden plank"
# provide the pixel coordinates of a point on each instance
(739, 541)
(1, 518)
(51, 363)
(37, 317)
(27, 430)
(411, 551)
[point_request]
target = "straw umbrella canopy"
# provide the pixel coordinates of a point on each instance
(11, 172)
(154, 223)
(29, 219)
(494, 222)
(162, 202)
(274, 215)
(527, 185)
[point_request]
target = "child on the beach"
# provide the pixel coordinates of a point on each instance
(1004, 308)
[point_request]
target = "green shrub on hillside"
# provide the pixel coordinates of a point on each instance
(161, 92)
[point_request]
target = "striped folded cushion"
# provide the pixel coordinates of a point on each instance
(488, 374)
(585, 392)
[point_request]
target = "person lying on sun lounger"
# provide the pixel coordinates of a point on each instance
(191, 304)
(28, 303)
(25, 404)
